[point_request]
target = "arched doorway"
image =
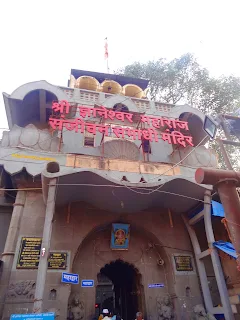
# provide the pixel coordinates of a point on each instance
(95, 260)
(123, 291)
(104, 294)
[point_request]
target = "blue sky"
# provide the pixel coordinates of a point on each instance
(45, 39)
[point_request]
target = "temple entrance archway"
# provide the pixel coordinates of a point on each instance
(121, 290)
(122, 277)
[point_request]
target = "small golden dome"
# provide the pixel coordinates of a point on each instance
(132, 90)
(87, 83)
(110, 86)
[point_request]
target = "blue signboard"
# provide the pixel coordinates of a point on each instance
(87, 283)
(70, 278)
(33, 316)
(156, 285)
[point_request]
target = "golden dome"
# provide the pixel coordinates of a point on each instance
(132, 90)
(110, 86)
(87, 83)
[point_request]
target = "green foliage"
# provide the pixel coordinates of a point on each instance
(184, 81)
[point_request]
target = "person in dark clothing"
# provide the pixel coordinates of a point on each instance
(116, 315)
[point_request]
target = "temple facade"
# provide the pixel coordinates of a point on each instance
(100, 208)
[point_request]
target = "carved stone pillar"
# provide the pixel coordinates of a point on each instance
(10, 246)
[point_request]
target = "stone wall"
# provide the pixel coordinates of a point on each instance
(20, 295)
(5, 218)
(84, 232)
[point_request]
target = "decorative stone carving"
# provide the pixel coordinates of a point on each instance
(21, 290)
(30, 137)
(165, 308)
(56, 311)
(121, 149)
(200, 157)
(75, 308)
(199, 313)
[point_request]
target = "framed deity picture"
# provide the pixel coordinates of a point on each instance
(120, 236)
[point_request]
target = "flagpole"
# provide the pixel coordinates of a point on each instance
(107, 66)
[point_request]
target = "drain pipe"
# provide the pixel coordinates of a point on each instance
(225, 182)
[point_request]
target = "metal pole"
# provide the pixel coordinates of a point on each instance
(231, 143)
(222, 288)
(225, 128)
(230, 201)
(225, 155)
(107, 66)
(226, 183)
(214, 176)
(43, 262)
(200, 265)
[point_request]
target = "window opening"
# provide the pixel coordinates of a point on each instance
(53, 294)
(188, 292)
(89, 139)
(119, 107)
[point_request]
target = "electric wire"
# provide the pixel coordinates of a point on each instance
(59, 153)
(152, 191)
(99, 186)
(124, 185)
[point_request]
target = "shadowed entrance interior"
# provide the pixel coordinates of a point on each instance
(123, 292)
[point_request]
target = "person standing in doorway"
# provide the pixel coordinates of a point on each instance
(116, 315)
(139, 316)
(106, 314)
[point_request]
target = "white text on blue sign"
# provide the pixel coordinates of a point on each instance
(34, 316)
(70, 278)
(156, 285)
(87, 283)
